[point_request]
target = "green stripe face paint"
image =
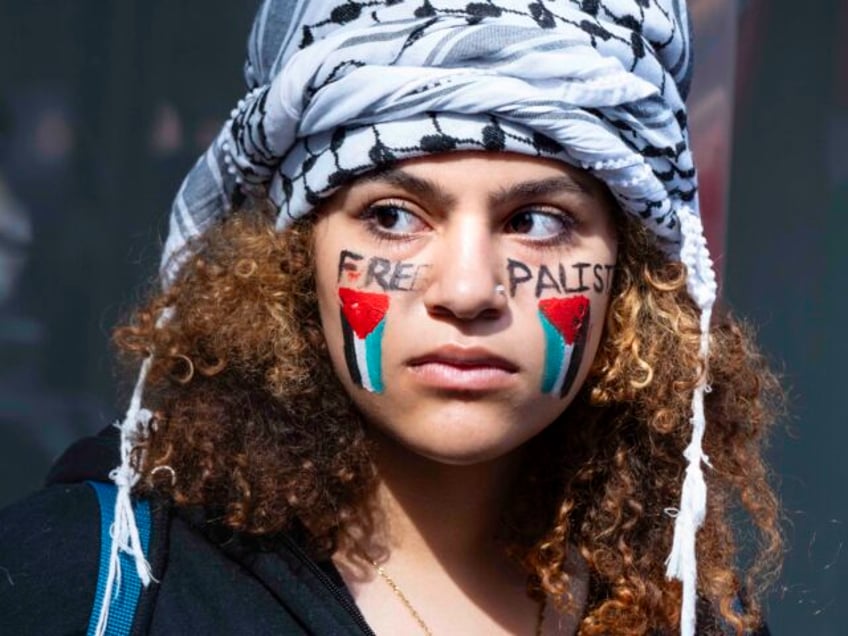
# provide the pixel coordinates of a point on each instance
(374, 357)
(555, 352)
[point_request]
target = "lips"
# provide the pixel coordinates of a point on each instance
(463, 369)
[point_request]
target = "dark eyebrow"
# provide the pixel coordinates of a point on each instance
(517, 191)
(541, 188)
(415, 185)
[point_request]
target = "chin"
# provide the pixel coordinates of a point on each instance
(451, 452)
(466, 456)
(460, 433)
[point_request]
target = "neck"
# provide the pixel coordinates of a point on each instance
(439, 552)
(440, 511)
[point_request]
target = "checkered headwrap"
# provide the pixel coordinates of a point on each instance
(342, 88)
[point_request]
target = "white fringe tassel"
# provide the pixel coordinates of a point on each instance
(681, 563)
(124, 531)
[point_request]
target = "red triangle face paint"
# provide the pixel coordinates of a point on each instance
(363, 310)
(566, 314)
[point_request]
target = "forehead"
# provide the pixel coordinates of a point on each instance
(500, 176)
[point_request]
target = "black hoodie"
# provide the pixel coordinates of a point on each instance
(209, 580)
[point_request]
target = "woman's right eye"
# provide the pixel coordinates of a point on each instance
(391, 218)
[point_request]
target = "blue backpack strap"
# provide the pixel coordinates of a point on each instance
(125, 598)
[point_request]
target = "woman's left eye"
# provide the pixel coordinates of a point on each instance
(537, 224)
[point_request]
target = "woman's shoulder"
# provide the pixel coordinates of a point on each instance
(49, 555)
(206, 579)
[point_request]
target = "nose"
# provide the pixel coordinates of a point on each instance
(466, 275)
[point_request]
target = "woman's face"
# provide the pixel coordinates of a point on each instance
(463, 297)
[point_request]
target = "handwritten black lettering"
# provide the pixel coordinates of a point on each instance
(380, 272)
(569, 278)
(399, 275)
(419, 277)
(545, 280)
(347, 262)
(581, 286)
(610, 269)
(378, 268)
(515, 281)
(598, 270)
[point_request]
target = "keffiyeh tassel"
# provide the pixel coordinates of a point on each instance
(124, 530)
(682, 562)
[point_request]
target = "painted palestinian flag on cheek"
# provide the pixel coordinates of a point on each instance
(565, 322)
(363, 317)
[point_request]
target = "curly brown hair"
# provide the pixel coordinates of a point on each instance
(259, 430)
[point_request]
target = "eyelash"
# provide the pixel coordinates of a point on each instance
(565, 237)
(369, 216)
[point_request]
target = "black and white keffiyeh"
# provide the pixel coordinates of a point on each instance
(338, 89)
(341, 88)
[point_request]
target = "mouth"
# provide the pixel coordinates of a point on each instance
(455, 368)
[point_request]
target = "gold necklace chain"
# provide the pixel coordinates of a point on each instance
(399, 593)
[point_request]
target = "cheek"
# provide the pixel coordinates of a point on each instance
(356, 292)
(567, 301)
(353, 322)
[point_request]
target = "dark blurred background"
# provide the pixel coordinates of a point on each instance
(105, 105)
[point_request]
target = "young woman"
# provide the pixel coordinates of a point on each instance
(434, 353)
